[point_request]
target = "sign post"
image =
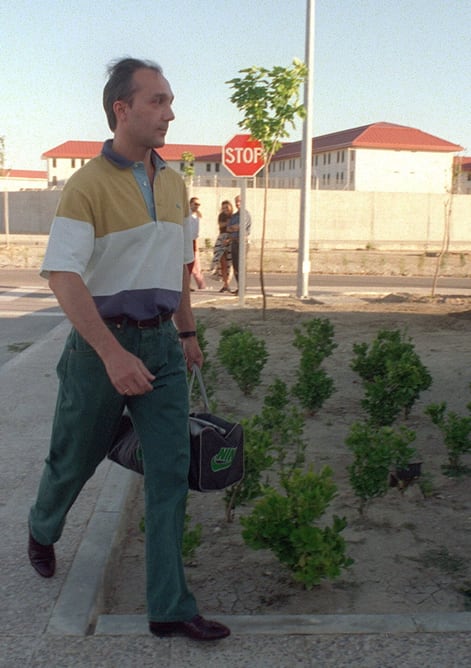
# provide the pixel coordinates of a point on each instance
(242, 156)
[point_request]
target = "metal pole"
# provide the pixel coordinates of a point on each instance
(242, 246)
(304, 264)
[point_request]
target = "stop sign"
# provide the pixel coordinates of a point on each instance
(243, 156)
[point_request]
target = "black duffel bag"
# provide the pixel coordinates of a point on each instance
(216, 447)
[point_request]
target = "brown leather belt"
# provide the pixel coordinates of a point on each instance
(120, 320)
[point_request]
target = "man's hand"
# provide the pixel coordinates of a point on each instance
(192, 352)
(128, 373)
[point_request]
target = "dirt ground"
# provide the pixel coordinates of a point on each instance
(410, 550)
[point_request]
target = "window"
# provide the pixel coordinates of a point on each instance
(54, 162)
(72, 163)
(208, 166)
(469, 177)
(338, 156)
(328, 158)
(217, 167)
(328, 179)
(182, 165)
(54, 180)
(343, 156)
(325, 158)
(82, 162)
(317, 160)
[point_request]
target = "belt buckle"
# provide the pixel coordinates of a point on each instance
(151, 322)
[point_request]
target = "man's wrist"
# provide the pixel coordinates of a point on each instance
(187, 335)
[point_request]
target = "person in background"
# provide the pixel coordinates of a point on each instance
(233, 229)
(194, 267)
(116, 260)
(222, 260)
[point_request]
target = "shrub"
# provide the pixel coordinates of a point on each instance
(393, 376)
(258, 458)
(273, 440)
(315, 341)
(243, 355)
(376, 450)
(456, 430)
(284, 524)
(285, 424)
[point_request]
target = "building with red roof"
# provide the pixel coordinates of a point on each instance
(462, 175)
(22, 179)
(65, 159)
(383, 157)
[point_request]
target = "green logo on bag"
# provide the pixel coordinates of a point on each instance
(223, 459)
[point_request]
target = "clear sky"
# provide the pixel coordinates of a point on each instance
(402, 61)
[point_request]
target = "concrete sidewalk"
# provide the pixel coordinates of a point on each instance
(58, 623)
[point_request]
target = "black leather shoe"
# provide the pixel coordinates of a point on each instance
(196, 628)
(42, 557)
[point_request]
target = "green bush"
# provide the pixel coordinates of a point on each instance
(258, 458)
(273, 442)
(456, 430)
(393, 376)
(315, 341)
(285, 424)
(376, 450)
(243, 355)
(284, 524)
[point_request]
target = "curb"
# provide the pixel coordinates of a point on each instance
(81, 596)
(280, 625)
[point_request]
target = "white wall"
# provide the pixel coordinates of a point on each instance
(339, 220)
(15, 183)
(402, 171)
(345, 219)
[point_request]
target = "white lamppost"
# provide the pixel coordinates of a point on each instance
(304, 264)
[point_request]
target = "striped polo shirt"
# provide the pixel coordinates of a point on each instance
(131, 260)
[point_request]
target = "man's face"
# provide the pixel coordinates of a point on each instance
(145, 121)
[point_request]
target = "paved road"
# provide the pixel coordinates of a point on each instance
(28, 309)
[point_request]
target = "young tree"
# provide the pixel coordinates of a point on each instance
(188, 165)
(270, 102)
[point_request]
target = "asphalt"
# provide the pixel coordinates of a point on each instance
(60, 622)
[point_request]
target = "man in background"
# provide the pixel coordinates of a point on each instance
(234, 229)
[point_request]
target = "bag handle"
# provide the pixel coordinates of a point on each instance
(196, 372)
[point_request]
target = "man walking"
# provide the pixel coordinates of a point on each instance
(116, 261)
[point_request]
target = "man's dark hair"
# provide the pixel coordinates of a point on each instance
(120, 83)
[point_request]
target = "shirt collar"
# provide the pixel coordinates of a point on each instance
(123, 163)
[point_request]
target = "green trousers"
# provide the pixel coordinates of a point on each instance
(87, 414)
